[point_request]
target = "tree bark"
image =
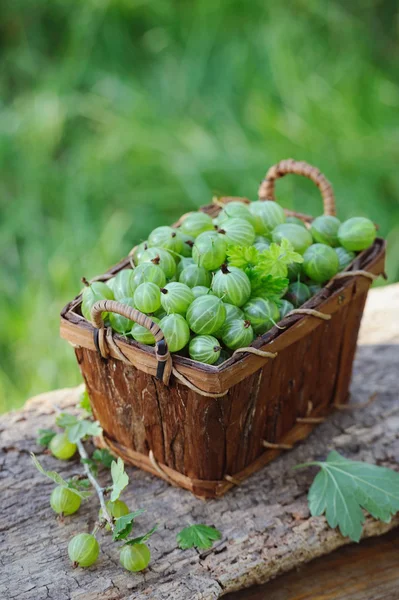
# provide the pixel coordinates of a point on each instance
(265, 521)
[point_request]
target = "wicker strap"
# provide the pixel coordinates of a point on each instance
(361, 273)
(102, 340)
(262, 353)
(309, 311)
(285, 167)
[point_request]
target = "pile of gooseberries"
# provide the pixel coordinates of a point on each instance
(207, 307)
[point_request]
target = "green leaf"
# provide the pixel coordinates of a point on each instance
(124, 524)
(55, 477)
(198, 536)
(103, 456)
(83, 428)
(45, 436)
(66, 420)
(76, 429)
(267, 286)
(141, 538)
(243, 257)
(343, 487)
(78, 484)
(84, 402)
(274, 260)
(119, 479)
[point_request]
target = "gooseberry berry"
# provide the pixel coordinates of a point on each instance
(83, 550)
(320, 262)
(232, 285)
(206, 315)
(205, 349)
(356, 234)
(176, 331)
(64, 500)
(176, 297)
(299, 237)
(324, 230)
(147, 297)
(61, 447)
(135, 557)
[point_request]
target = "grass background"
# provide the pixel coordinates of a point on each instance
(119, 115)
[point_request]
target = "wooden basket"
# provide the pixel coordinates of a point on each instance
(207, 428)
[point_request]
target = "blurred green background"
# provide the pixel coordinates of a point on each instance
(119, 115)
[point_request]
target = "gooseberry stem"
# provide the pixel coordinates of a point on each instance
(99, 490)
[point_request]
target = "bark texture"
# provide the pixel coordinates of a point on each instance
(265, 521)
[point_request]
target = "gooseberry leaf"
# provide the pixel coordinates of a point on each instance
(84, 402)
(45, 436)
(56, 477)
(76, 483)
(119, 479)
(243, 257)
(124, 524)
(197, 536)
(267, 286)
(66, 420)
(77, 429)
(141, 538)
(103, 456)
(274, 260)
(343, 487)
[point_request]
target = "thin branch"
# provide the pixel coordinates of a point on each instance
(99, 490)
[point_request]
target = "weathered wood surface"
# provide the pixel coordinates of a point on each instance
(265, 521)
(368, 571)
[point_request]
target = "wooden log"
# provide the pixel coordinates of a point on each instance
(265, 521)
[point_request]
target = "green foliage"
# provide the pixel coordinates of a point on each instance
(84, 402)
(45, 436)
(343, 487)
(119, 479)
(56, 478)
(94, 150)
(197, 536)
(275, 260)
(267, 271)
(124, 525)
(103, 456)
(77, 429)
(267, 286)
(141, 538)
(243, 257)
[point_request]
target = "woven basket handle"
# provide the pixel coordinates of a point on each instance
(285, 167)
(161, 348)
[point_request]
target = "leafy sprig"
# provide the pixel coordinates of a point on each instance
(45, 436)
(84, 402)
(267, 270)
(197, 536)
(275, 260)
(267, 286)
(343, 487)
(58, 479)
(243, 257)
(119, 479)
(124, 525)
(142, 538)
(77, 429)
